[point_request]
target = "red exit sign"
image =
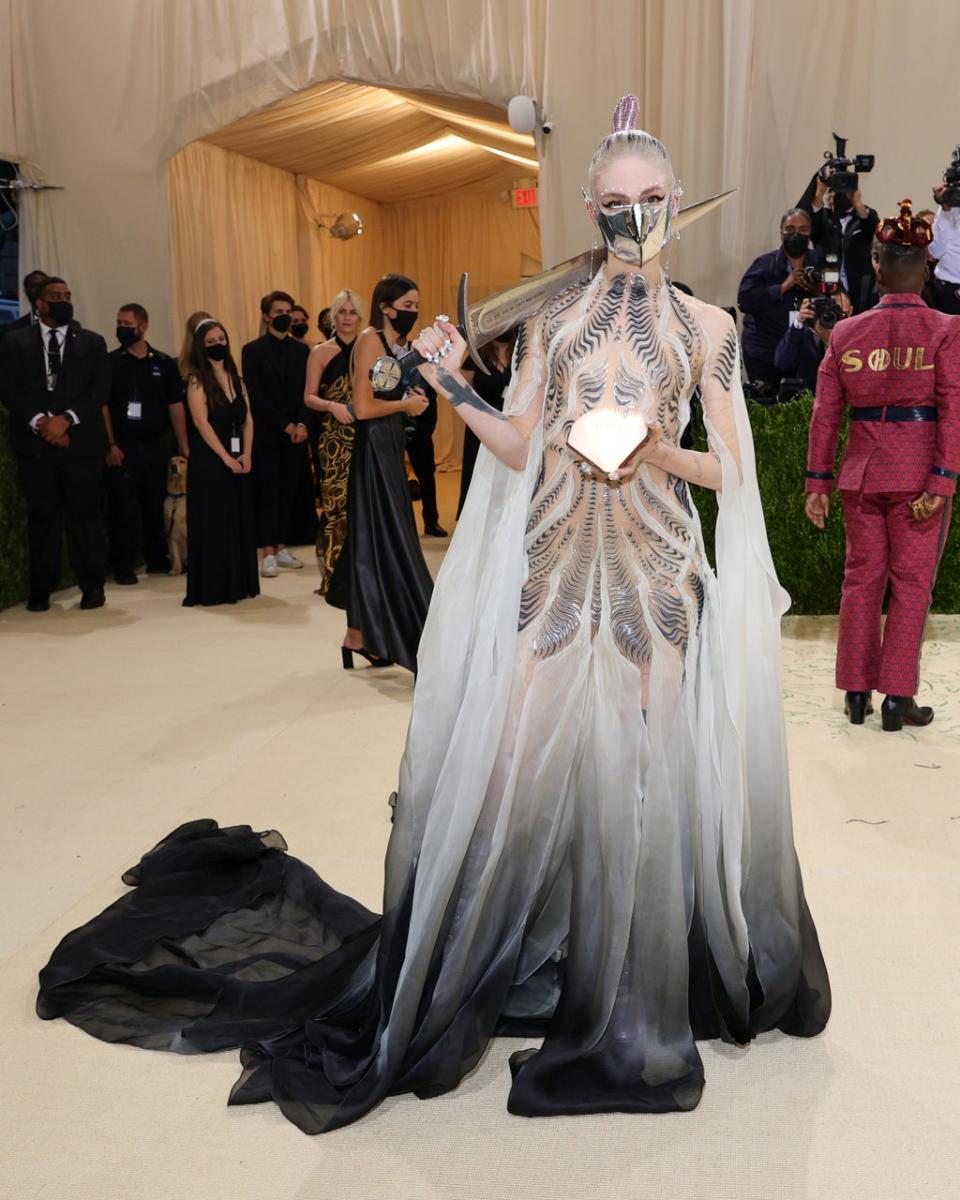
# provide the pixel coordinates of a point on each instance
(525, 197)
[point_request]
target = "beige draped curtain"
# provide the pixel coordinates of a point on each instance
(99, 96)
(240, 228)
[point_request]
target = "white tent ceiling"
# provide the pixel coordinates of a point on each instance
(391, 146)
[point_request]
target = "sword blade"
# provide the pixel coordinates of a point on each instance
(486, 319)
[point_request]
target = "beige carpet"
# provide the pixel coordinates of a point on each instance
(119, 724)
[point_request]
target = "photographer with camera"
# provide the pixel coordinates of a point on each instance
(802, 347)
(945, 247)
(771, 289)
(842, 223)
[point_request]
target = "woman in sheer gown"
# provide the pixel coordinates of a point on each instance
(593, 837)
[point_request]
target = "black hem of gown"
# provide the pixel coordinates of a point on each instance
(225, 940)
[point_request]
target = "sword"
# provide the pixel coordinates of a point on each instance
(481, 322)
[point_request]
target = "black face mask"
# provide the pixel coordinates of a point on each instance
(217, 352)
(795, 244)
(299, 329)
(127, 335)
(403, 322)
(281, 322)
(60, 312)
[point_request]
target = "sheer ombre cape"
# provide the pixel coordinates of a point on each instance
(575, 858)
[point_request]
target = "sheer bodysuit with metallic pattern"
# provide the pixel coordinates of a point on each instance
(628, 552)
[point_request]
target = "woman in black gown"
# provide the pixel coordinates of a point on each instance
(221, 527)
(496, 357)
(381, 578)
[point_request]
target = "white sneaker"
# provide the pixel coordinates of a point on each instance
(288, 560)
(268, 568)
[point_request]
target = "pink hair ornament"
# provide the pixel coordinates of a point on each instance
(625, 114)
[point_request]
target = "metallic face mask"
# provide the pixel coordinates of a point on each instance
(635, 233)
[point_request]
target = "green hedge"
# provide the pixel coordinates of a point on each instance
(808, 561)
(13, 525)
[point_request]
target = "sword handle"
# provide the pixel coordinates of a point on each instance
(388, 375)
(391, 376)
(413, 358)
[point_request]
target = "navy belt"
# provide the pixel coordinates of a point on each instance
(894, 413)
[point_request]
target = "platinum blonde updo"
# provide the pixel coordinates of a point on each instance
(626, 138)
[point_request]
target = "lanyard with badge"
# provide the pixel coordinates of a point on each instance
(234, 431)
(134, 406)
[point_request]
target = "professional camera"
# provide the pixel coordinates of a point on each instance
(951, 177)
(841, 177)
(826, 276)
(825, 310)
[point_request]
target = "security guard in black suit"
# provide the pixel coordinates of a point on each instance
(56, 380)
(146, 402)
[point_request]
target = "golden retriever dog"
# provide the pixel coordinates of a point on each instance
(175, 513)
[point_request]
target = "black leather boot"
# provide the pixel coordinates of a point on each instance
(897, 711)
(858, 705)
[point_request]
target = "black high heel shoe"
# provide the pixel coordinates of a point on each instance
(858, 705)
(346, 657)
(897, 711)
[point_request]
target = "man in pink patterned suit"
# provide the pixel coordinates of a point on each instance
(897, 367)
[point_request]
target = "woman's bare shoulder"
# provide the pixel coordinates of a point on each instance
(324, 351)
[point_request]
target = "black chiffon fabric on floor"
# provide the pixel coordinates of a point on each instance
(381, 578)
(227, 941)
(221, 520)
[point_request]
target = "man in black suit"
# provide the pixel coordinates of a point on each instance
(56, 382)
(275, 375)
(32, 282)
(843, 225)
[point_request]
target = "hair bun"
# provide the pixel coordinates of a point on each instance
(906, 229)
(625, 114)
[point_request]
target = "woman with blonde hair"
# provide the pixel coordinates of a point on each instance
(328, 393)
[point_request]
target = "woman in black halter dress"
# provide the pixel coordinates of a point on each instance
(381, 578)
(328, 394)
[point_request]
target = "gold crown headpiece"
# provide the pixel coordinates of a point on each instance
(905, 230)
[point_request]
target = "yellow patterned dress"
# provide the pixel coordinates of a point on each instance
(332, 451)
